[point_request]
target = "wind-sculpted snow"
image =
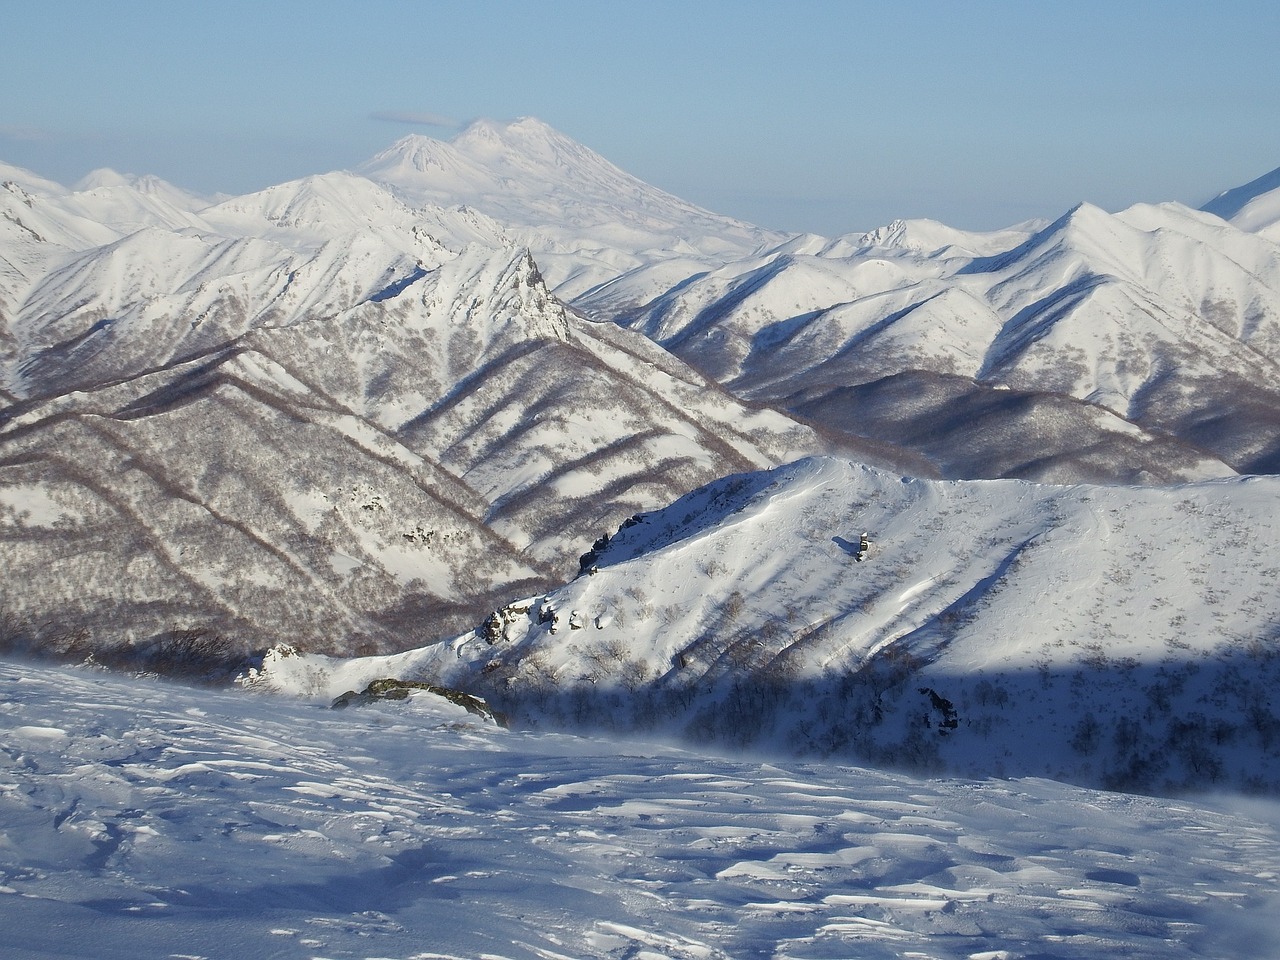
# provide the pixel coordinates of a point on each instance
(139, 820)
(1113, 636)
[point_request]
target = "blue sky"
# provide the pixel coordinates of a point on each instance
(800, 115)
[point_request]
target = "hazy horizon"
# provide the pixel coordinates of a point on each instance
(815, 116)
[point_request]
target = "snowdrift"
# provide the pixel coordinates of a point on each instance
(143, 821)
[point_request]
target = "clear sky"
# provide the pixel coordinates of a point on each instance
(817, 115)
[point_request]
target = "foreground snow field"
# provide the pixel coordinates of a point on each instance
(139, 819)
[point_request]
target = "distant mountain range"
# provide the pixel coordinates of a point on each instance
(362, 410)
(1135, 347)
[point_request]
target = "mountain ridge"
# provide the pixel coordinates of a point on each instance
(1254, 206)
(748, 614)
(1136, 313)
(404, 378)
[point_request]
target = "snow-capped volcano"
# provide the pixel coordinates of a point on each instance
(526, 173)
(585, 220)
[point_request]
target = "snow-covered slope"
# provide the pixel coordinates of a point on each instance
(35, 232)
(141, 821)
(128, 203)
(240, 372)
(355, 414)
(1254, 207)
(1132, 629)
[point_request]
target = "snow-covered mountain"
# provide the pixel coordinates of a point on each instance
(141, 821)
(363, 411)
(1148, 339)
(400, 488)
(1133, 628)
(585, 220)
(1254, 206)
(354, 410)
(316, 410)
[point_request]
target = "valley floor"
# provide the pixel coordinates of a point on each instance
(140, 820)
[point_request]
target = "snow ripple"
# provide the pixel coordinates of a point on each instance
(141, 820)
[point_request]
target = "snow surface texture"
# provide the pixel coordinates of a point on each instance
(1113, 636)
(139, 820)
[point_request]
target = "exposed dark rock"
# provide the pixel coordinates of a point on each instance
(392, 689)
(950, 720)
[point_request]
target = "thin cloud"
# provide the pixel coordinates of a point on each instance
(416, 119)
(25, 134)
